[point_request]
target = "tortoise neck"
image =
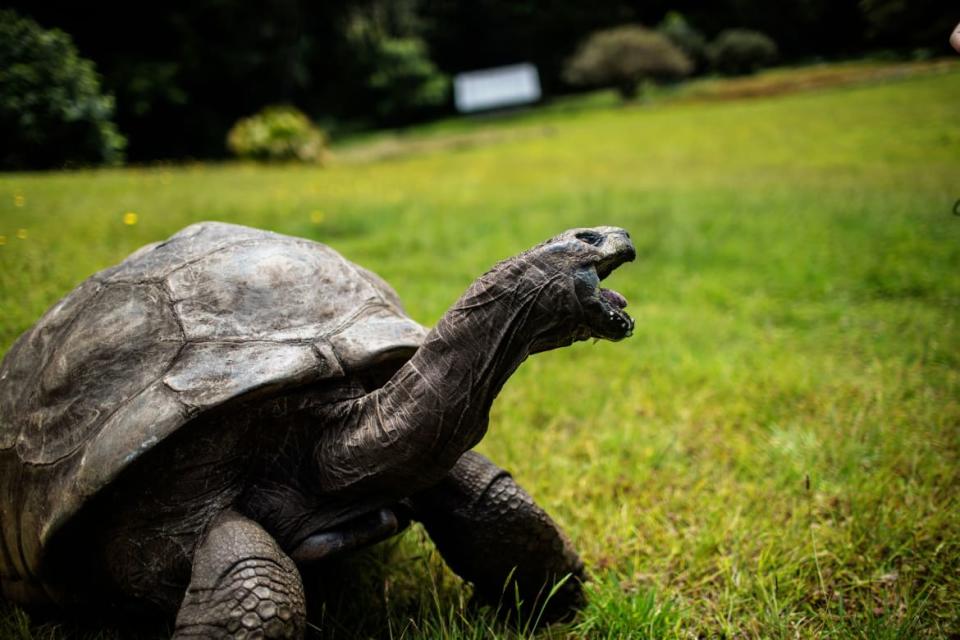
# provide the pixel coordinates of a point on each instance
(471, 353)
(411, 431)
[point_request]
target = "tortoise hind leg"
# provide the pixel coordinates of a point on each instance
(241, 585)
(490, 531)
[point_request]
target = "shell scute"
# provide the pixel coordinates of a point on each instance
(209, 374)
(123, 340)
(213, 314)
(254, 291)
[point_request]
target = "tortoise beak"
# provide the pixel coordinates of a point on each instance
(616, 250)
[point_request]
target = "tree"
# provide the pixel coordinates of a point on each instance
(676, 27)
(624, 56)
(404, 80)
(741, 51)
(52, 111)
(398, 74)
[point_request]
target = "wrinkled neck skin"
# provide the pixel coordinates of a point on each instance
(406, 435)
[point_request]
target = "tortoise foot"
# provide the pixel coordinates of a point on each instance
(242, 586)
(491, 532)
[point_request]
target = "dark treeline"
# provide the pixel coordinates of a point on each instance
(183, 71)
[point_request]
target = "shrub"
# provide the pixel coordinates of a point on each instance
(277, 133)
(741, 51)
(403, 79)
(624, 56)
(52, 112)
(399, 79)
(681, 33)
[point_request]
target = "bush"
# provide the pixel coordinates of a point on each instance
(277, 133)
(624, 56)
(404, 80)
(400, 81)
(52, 112)
(741, 51)
(686, 37)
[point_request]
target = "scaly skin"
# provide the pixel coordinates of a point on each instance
(242, 586)
(489, 530)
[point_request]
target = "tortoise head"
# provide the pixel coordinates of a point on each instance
(565, 273)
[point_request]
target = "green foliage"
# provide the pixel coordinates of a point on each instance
(400, 79)
(277, 133)
(175, 72)
(624, 56)
(773, 454)
(403, 78)
(681, 33)
(52, 112)
(741, 51)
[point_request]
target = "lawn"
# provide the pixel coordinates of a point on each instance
(776, 451)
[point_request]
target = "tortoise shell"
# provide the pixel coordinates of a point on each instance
(215, 313)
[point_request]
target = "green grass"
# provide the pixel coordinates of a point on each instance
(774, 454)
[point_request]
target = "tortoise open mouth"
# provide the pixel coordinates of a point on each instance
(604, 308)
(614, 323)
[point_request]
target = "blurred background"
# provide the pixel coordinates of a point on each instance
(176, 77)
(775, 452)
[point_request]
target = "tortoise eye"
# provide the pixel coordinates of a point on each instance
(590, 237)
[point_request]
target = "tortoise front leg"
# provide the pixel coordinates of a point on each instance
(242, 585)
(490, 532)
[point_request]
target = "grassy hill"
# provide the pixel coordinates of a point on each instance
(774, 453)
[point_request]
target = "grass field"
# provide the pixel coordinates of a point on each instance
(775, 453)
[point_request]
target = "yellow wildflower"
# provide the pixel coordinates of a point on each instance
(19, 200)
(316, 217)
(3, 240)
(130, 218)
(22, 234)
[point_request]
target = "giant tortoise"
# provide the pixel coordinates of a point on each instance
(186, 428)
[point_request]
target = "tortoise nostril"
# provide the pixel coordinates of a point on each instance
(590, 237)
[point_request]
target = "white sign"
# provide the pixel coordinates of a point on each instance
(499, 87)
